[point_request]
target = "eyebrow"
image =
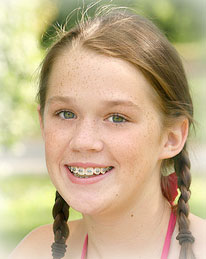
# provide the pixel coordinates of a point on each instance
(63, 99)
(111, 103)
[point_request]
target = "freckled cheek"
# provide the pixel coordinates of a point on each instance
(132, 152)
(127, 149)
(55, 141)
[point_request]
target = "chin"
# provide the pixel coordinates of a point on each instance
(91, 207)
(87, 211)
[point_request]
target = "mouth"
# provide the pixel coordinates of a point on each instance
(89, 172)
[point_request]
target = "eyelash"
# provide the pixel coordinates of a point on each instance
(111, 115)
(62, 112)
(120, 116)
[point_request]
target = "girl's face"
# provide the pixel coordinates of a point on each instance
(99, 110)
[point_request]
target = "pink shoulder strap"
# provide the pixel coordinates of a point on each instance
(170, 230)
(166, 246)
(84, 250)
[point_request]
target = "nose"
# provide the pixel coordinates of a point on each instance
(86, 137)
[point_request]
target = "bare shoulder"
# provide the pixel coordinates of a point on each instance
(37, 244)
(198, 229)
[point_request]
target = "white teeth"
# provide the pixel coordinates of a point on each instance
(103, 170)
(89, 171)
(97, 171)
(85, 172)
(80, 171)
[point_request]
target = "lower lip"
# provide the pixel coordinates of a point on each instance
(89, 180)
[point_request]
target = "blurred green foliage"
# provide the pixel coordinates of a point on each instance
(198, 93)
(20, 56)
(27, 201)
(181, 21)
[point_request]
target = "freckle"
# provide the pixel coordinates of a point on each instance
(132, 215)
(117, 195)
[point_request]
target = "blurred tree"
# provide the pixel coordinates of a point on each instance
(21, 23)
(181, 20)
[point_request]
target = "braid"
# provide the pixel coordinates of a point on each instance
(185, 237)
(60, 228)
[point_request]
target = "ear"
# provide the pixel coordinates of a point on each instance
(175, 138)
(40, 121)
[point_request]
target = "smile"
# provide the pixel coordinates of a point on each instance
(88, 172)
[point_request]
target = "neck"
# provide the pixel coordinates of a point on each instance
(139, 230)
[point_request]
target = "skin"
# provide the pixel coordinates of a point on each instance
(125, 213)
(93, 137)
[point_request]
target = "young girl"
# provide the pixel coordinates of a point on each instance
(115, 111)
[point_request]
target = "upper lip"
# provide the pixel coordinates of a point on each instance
(86, 165)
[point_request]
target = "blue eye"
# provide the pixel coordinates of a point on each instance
(116, 118)
(66, 115)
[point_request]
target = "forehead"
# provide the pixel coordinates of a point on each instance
(84, 73)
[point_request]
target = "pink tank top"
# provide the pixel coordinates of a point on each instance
(166, 247)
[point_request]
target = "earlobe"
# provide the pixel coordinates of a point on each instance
(40, 121)
(175, 138)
